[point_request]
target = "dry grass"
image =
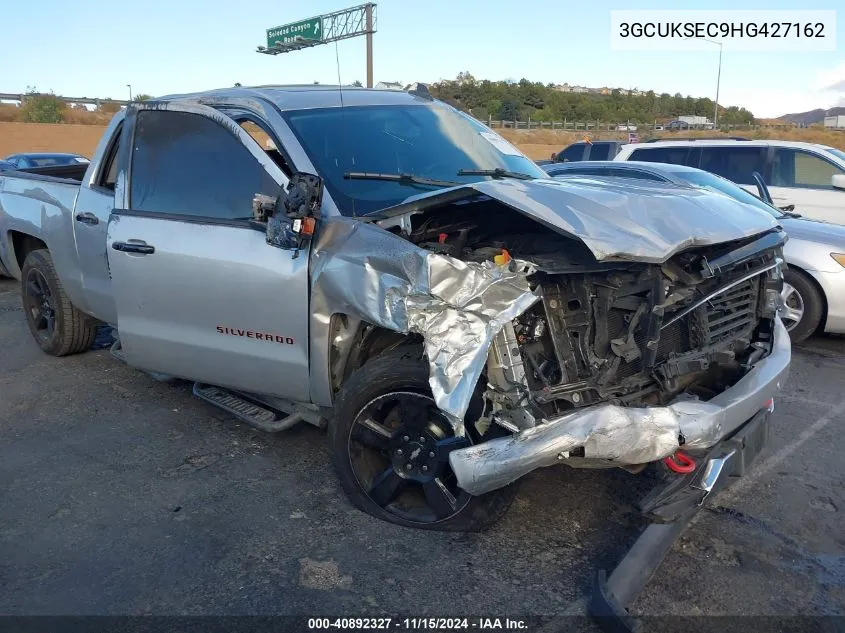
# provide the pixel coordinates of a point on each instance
(537, 144)
(46, 137)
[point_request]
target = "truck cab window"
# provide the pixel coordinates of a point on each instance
(267, 144)
(108, 175)
(188, 164)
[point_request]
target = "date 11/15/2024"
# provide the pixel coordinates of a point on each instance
(418, 624)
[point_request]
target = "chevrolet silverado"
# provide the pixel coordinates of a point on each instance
(378, 263)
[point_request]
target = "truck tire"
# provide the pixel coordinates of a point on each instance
(803, 305)
(389, 444)
(56, 325)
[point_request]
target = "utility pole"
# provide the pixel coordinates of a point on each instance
(130, 91)
(369, 11)
(718, 82)
(718, 78)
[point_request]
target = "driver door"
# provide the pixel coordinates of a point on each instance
(199, 293)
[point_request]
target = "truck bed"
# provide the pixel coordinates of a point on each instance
(39, 204)
(73, 174)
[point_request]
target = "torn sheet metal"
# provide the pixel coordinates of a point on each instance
(458, 307)
(624, 435)
(632, 221)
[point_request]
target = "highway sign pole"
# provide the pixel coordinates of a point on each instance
(369, 11)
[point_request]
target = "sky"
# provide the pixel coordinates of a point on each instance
(94, 48)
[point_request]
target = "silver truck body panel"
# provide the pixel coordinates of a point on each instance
(90, 239)
(42, 208)
(203, 279)
(624, 435)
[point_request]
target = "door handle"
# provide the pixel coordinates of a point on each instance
(87, 218)
(141, 248)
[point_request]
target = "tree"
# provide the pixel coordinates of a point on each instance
(142, 97)
(509, 110)
(108, 107)
(237, 84)
(357, 84)
(42, 108)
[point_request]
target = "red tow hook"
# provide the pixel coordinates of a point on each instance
(680, 462)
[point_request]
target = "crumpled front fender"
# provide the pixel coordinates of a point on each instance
(366, 272)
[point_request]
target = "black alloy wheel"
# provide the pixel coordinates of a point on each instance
(41, 305)
(399, 447)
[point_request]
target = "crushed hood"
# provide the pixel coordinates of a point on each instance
(631, 221)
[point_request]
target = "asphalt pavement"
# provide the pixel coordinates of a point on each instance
(123, 495)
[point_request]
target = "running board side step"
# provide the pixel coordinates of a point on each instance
(252, 411)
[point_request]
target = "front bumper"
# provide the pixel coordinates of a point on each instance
(614, 435)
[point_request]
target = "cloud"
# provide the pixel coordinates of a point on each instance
(839, 86)
(830, 79)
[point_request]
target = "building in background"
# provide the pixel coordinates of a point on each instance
(835, 122)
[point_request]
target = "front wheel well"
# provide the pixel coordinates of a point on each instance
(23, 244)
(354, 349)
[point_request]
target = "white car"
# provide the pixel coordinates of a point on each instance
(807, 175)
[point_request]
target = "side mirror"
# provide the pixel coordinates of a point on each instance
(291, 217)
(838, 181)
(554, 156)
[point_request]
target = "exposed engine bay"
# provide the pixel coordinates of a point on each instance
(624, 333)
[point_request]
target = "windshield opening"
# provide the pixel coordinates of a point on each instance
(712, 182)
(428, 141)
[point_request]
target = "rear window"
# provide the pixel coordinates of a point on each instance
(671, 155)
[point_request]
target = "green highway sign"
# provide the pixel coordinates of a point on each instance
(310, 29)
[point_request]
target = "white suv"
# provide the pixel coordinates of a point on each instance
(807, 175)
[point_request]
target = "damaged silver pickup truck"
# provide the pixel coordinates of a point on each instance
(381, 264)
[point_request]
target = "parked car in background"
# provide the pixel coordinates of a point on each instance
(807, 175)
(32, 160)
(586, 150)
(814, 282)
(6, 165)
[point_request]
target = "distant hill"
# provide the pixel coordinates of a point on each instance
(811, 117)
